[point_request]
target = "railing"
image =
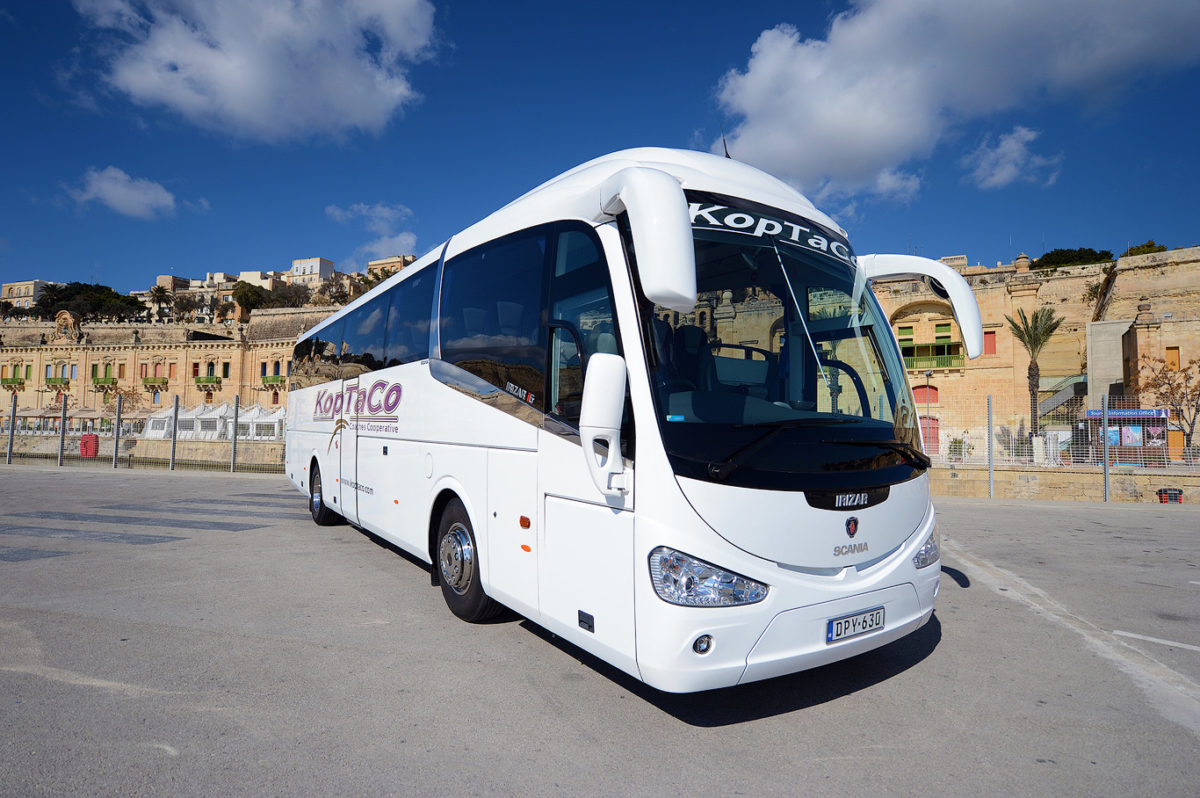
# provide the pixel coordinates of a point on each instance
(273, 379)
(63, 381)
(154, 381)
(104, 380)
(208, 380)
(934, 362)
(12, 381)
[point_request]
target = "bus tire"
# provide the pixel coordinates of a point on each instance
(456, 556)
(321, 515)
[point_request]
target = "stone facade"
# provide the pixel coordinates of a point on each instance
(1102, 335)
(201, 364)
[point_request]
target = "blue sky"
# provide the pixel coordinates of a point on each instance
(187, 136)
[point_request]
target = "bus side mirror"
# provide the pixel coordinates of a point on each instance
(942, 280)
(662, 233)
(600, 421)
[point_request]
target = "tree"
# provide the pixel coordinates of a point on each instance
(334, 288)
(1144, 249)
(131, 398)
(1177, 389)
(5, 308)
(186, 305)
(1071, 257)
(248, 295)
(1034, 334)
(160, 296)
(288, 295)
(89, 300)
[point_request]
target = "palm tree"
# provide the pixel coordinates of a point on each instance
(160, 296)
(1034, 334)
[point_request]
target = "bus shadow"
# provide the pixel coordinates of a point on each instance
(778, 696)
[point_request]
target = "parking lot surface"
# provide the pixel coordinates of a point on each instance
(196, 634)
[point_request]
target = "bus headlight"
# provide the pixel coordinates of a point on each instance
(928, 554)
(682, 579)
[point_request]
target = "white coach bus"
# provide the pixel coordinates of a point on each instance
(652, 406)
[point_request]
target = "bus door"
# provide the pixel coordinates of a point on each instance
(582, 528)
(348, 426)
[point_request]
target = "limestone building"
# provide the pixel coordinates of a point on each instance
(200, 363)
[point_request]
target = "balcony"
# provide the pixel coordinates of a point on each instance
(154, 382)
(104, 382)
(273, 380)
(12, 382)
(939, 355)
(927, 362)
(207, 381)
(58, 382)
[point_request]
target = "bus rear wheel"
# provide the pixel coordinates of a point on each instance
(457, 559)
(321, 515)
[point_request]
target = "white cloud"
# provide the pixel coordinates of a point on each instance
(381, 220)
(851, 113)
(1010, 161)
(128, 196)
(269, 70)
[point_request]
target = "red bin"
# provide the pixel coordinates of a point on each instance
(89, 445)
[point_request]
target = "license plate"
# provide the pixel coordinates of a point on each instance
(853, 625)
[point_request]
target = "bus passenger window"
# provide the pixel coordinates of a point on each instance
(490, 321)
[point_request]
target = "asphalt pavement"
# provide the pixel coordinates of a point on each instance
(196, 634)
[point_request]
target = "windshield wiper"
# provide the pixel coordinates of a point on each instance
(718, 470)
(911, 453)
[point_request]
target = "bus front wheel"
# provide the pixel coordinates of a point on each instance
(457, 561)
(321, 515)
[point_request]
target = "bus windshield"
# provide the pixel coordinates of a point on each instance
(785, 375)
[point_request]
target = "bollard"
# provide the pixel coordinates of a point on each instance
(12, 428)
(991, 459)
(117, 431)
(174, 432)
(1104, 434)
(62, 430)
(237, 401)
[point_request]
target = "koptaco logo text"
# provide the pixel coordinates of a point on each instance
(377, 403)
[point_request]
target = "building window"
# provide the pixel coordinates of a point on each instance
(989, 342)
(263, 370)
(49, 371)
(171, 371)
(225, 371)
(142, 371)
(157, 397)
(904, 332)
(195, 369)
(274, 397)
(924, 395)
(1173, 358)
(276, 368)
(73, 367)
(121, 371)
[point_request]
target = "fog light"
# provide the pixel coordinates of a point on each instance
(703, 644)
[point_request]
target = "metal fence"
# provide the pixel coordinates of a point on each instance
(205, 437)
(1122, 434)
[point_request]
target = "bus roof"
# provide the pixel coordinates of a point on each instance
(576, 194)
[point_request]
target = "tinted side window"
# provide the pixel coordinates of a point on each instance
(316, 357)
(408, 318)
(365, 333)
(581, 310)
(491, 314)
